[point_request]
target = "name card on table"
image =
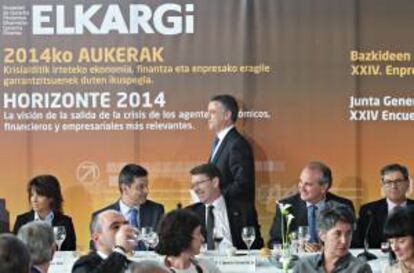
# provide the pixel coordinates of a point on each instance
(63, 261)
(235, 263)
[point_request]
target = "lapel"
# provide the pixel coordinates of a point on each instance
(56, 218)
(144, 215)
(301, 213)
(200, 210)
(223, 145)
(381, 212)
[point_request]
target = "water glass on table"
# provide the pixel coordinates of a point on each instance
(248, 237)
(60, 236)
(303, 237)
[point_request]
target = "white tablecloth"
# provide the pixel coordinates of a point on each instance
(63, 261)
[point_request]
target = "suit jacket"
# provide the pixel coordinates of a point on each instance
(240, 214)
(379, 212)
(234, 158)
(300, 211)
(93, 263)
(58, 220)
(150, 214)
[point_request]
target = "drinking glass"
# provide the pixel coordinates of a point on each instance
(147, 234)
(60, 235)
(248, 237)
(303, 236)
(218, 236)
(385, 247)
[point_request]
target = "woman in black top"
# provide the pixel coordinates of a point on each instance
(46, 201)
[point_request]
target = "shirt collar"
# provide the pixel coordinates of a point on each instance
(224, 132)
(48, 219)
(37, 268)
(340, 263)
(124, 208)
(219, 203)
(102, 255)
(392, 205)
(320, 205)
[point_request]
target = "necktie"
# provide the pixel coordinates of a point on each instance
(134, 217)
(210, 227)
(312, 224)
(213, 147)
(396, 208)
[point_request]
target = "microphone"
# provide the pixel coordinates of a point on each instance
(366, 255)
(179, 205)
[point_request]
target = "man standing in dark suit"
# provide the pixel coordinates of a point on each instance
(395, 184)
(314, 184)
(220, 214)
(133, 204)
(231, 152)
(113, 237)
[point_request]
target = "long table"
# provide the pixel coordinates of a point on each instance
(63, 261)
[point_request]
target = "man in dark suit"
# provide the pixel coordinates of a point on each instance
(227, 216)
(39, 238)
(395, 184)
(231, 152)
(133, 204)
(113, 237)
(315, 181)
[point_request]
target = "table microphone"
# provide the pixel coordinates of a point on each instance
(366, 255)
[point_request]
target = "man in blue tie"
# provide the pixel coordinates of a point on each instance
(230, 151)
(313, 192)
(133, 203)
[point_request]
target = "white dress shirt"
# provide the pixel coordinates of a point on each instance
(221, 220)
(392, 205)
(48, 219)
(125, 210)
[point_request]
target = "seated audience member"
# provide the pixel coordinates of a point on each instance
(399, 229)
(133, 203)
(147, 267)
(395, 184)
(214, 210)
(46, 202)
(335, 225)
(180, 240)
(314, 184)
(14, 256)
(113, 237)
(40, 240)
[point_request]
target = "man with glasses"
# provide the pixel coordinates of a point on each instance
(219, 213)
(395, 182)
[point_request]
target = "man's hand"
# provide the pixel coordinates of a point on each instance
(127, 237)
(312, 247)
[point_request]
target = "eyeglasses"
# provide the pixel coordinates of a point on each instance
(198, 183)
(391, 183)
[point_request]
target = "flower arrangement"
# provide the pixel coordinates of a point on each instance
(286, 256)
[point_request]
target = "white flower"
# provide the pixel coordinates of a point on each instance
(284, 208)
(289, 218)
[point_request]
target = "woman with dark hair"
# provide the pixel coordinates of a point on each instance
(180, 240)
(399, 229)
(335, 226)
(46, 201)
